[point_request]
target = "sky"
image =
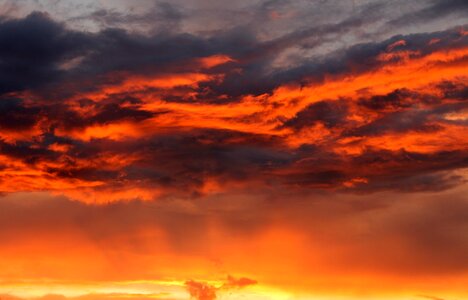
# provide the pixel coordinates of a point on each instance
(254, 150)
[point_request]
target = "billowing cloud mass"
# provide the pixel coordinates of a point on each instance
(94, 115)
(306, 145)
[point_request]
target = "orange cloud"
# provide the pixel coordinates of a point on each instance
(205, 291)
(201, 291)
(389, 108)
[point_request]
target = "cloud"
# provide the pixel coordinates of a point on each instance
(160, 17)
(201, 291)
(397, 99)
(36, 47)
(238, 282)
(187, 114)
(14, 115)
(204, 291)
(430, 297)
(330, 113)
(436, 10)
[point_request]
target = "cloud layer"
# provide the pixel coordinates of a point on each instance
(96, 115)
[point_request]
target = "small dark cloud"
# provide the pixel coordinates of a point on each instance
(397, 122)
(409, 171)
(454, 90)
(329, 113)
(27, 152)
(15, 115)
(398, 99)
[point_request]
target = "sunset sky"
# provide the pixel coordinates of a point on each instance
(236, 150)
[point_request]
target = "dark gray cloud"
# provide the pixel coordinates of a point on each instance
(160, 17)
(416, 119)
(62, 56)
(437, 9)
(14, 115)
(397, 99)
(330, 113)
(32, 50)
